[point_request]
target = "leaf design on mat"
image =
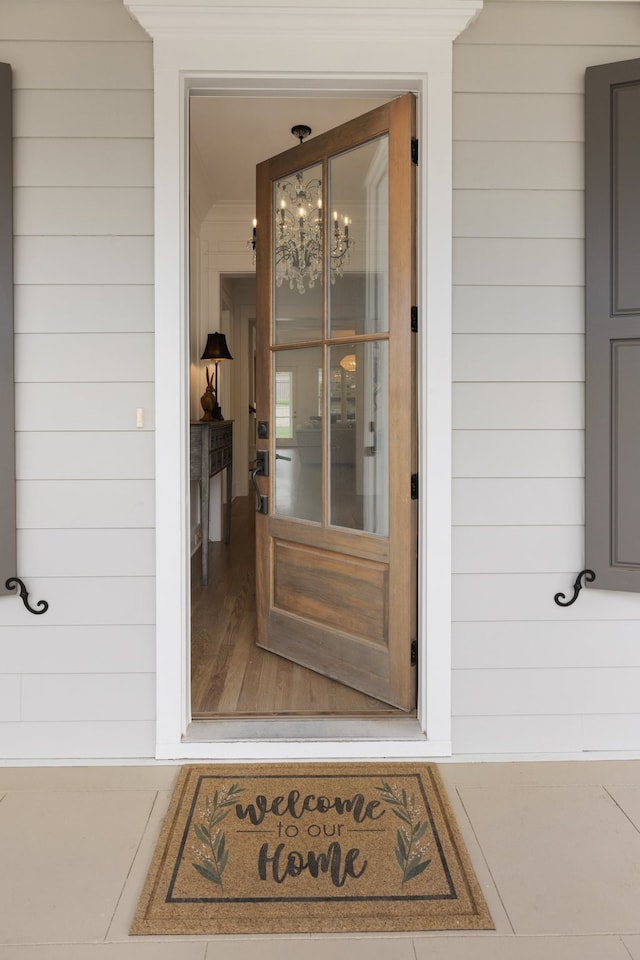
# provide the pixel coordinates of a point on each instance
(409, 852)
(213, 852)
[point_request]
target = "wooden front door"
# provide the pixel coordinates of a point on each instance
(336, 530)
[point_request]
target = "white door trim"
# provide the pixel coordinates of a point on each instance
(207, 46)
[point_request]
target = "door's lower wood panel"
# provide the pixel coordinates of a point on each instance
(355, 662)
(332, 590)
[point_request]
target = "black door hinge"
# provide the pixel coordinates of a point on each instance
(414, 319)
(414, 486)
(414, 652)
(414, 150)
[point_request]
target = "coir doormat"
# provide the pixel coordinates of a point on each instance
(310, 848)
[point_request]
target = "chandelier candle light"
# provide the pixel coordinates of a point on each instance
(299, 231)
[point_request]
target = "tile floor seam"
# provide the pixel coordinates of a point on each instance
(620, 808)
(484, 857)
(133, 860)
(626, 947)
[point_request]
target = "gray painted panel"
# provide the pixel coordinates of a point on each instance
(625, 508)
(612, 222)
(626, 190)
(8, 561)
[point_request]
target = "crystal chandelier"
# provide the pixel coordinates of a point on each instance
(298, 231)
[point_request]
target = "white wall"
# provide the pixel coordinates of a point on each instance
(218, 237)
(529, 676)
(79, 680)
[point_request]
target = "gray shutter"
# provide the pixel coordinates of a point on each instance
(8, 560)
(612, 151)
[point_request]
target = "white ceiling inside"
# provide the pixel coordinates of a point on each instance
(230, 135)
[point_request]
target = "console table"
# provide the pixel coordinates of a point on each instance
(211, 452)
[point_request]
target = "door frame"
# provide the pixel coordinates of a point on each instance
(209, 49)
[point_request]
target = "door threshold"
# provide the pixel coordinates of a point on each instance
(297, 729)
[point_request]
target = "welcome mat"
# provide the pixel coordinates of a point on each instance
(307, 848)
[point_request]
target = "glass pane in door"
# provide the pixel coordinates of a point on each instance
(297, 411)
(359, 436)
(298, 244)
(284, 414)
(358, 240)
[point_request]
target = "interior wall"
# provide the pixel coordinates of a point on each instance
(218, 302)
(528, 675)
(79, 680)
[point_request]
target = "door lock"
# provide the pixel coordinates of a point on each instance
(262, 463)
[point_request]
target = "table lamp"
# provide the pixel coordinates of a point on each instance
(216, 349)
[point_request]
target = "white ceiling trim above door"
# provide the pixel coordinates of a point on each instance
(213, 47)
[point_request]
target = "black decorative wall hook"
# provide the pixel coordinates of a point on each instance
(24, 595)
(588, 575)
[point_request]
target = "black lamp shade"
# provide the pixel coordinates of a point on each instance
(216, 348)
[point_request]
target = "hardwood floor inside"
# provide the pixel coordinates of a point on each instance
(230, 675)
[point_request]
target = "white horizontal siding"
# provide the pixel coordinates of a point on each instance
(83, 220)
(539, 734)
(78, 162)
(612, 732)
(496, 261)
(517, 596)
(545, 735)
(518, 453)
(529, 675)
(88, 553)
(83, 113)
(124, 739)
(529, 117)
(84, 357)
(58, 308)
(524, 406)
(555, 24)
(82, 455)
(555, 692)
(511, 549)
(103, 697)
(510, 213)
(9, 698)
(85, 649)
(57, 211)
(518, 309)
(510, 165)
(53, 20)
(546, 643)
(83, 406)
(49, 504)
(94, 260)
(64, 65)
(521, 501)
(518, 68)
(85, 601)
(524, 357)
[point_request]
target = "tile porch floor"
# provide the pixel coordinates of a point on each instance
(556, 848)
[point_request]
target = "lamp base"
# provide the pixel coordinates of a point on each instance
(211, 407)
(209, 403)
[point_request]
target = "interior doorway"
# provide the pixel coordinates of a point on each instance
(231, 677)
